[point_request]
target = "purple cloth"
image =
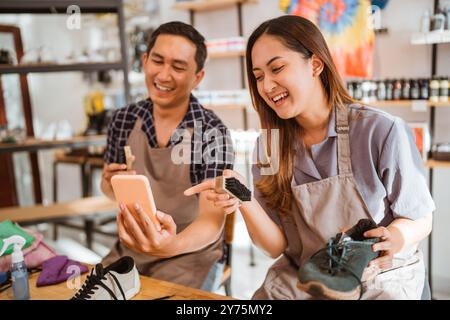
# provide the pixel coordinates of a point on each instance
(58, 269)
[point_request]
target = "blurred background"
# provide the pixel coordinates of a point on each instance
(64, 67)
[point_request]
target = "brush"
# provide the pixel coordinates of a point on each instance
(125, 157)
(128, 155)
(233, 187)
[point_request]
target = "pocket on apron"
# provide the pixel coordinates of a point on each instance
(401, 283)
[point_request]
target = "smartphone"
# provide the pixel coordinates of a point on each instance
(131, 189)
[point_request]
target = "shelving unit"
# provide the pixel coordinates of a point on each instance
(407, 103)
(60, 7)
(209, 5)
(433, 38)
(226, 54)
(42, 68)
(37, 144)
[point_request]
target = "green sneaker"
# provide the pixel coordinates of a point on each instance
(335, 271)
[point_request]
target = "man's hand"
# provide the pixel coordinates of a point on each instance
(110, 170)
(140, 234)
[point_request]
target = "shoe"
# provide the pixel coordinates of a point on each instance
(118, 281)
(335, 271)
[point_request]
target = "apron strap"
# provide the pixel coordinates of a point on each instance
(343, 146)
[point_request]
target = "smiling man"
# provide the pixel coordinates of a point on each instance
(190, 241)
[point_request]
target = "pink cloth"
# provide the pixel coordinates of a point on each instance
(34, 255)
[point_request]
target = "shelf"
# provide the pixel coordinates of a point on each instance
(226, 54)
(405, 103)
(225, 106)
(37, 144)
(432, 37)
(85, 67)
(58, 6)
(208, 5)
(437, 164)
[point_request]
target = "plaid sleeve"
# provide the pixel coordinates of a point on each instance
(217, 149)
(111, 154)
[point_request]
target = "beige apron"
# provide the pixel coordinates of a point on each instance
(321, 210)
(168, 181)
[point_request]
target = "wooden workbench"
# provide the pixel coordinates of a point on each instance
(70, 209)
(150, 289)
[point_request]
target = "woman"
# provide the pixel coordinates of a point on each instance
(339, 162)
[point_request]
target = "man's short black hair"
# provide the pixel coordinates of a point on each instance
(187, 31)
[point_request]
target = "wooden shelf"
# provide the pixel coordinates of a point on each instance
(225, 106)
(405, 103)
(226, 54)
(437, 164)
(37, 144)
(58, 6)
(432, 37)
(208, 5)
(37, 68)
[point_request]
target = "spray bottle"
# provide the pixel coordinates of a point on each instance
(19, 272)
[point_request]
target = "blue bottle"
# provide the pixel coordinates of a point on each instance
(19, 272)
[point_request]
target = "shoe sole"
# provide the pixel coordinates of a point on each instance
(318, 289)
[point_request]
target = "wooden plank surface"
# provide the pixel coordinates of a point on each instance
(437, 164)
(208, 5)
(81, 207)
(150, 289)
(38, 144)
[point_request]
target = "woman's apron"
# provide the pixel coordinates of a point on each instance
(321, 210)
(168, 181)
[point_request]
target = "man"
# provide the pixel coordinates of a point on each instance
(190, 242)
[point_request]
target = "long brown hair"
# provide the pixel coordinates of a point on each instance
(300, 35)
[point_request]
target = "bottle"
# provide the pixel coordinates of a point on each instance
(443, 89)
(406, 89)
(425, 22)
(350, 89)
(434, 89)
(424, 85)
(389, 90)
(358, 90)
(366, 87)
(397, 93)
(19, 272)
(415, 90)
(381, 90)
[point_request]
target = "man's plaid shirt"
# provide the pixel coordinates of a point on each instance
(211, 138)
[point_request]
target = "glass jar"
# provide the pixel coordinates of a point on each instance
(406, 89)
(424, 87)
(381, 90)
(389, 89)
(397, 93)
(443, 89)
(434, 89)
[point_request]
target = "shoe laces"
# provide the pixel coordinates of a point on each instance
(337, 252)
(94, 281)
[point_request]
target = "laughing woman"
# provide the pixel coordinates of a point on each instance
(339, 162)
